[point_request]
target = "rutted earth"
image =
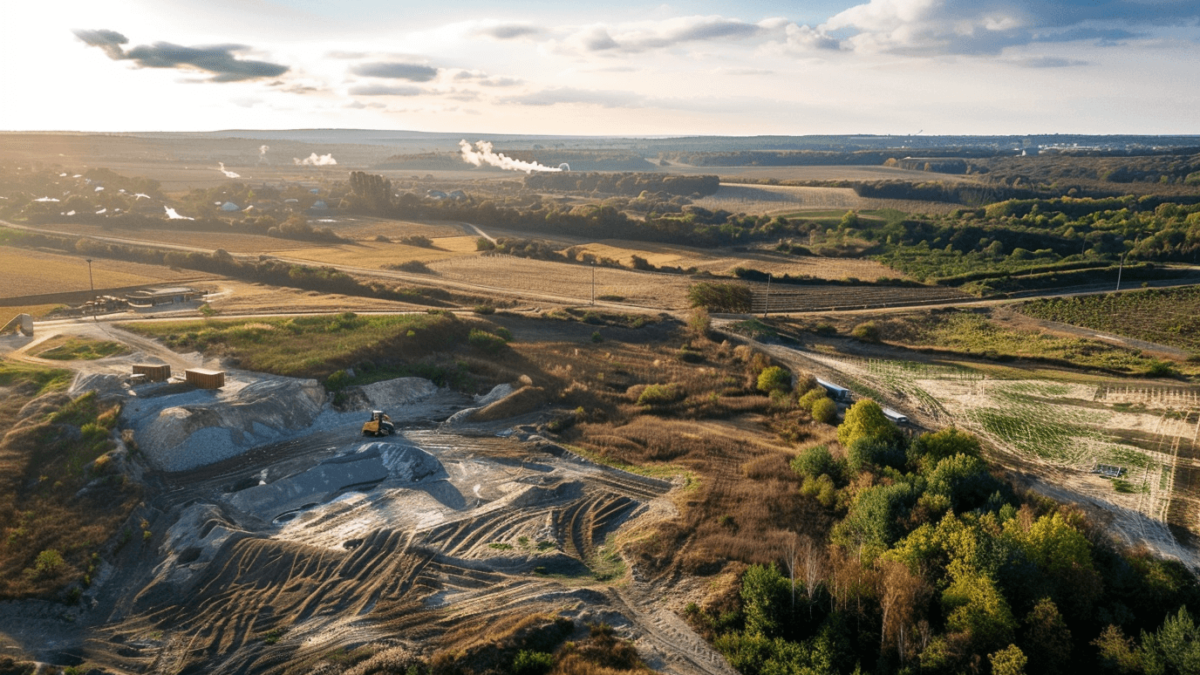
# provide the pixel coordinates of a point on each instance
(270, 514)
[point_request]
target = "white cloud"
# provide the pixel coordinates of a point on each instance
(989, 26)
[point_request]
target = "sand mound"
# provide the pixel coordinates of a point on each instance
(210, 426)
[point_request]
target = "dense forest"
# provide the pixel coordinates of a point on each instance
(935, 564)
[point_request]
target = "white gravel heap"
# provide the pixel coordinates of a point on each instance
(369, 463)
(204, 426)
(400, 391)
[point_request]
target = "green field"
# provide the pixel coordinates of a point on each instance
(1166, 316)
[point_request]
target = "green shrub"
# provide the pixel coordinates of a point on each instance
(504, 334)
(824, 410)
(484, 309)
(774, 378)
(867, 332)
(485, 341)
(49, 563)
(596, 336)
(660, 394)
(529, 662)
(810, 397)
(814, 462)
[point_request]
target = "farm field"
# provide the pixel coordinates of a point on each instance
(668, 291)
(240, 297)
(367, 228)
(838, 172)
(786, 199)
(36, 311)
(25, 272)
(722, 261)
(1061, 431)
(378, 254)
(976, 333)
(814, 298)
(1165, 316)
(229, 241)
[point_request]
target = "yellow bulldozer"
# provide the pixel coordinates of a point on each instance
(379, 425)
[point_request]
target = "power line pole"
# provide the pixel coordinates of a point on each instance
(92, 283)
(593, 283)
(767, 304)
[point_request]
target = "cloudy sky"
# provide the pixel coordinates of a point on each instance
(619, 67)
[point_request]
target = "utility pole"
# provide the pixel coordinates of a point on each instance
(767, 304)
(1121, 269)
(92, 283)
(593, 283)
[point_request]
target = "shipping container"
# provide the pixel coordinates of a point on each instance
(153, 372)
(205, 379)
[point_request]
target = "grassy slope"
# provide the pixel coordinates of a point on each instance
(52, 531)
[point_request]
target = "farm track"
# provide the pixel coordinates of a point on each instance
(817, 298)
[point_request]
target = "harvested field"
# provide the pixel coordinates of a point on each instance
(802, 298)
(377, 254)
(229, 241)
(36, 311)
(240, 297)
(25, 272)
(845, 172)
(786, 199)
(367, 228)
(668, 291)
(721, 261)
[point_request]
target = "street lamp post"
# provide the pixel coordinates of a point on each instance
(92, 283)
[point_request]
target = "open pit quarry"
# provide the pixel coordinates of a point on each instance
(269, 514)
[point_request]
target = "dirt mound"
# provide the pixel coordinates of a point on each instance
(106, 386)
(524, 400)
(208, 426)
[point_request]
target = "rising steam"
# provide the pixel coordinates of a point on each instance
(315, 160)
(262, 154)
(482, 154)
(228, 174)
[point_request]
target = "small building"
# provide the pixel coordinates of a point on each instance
(835, 392)
(153, 372)
(152, 297)
(895, 417)
(230, 207)
(205, 379)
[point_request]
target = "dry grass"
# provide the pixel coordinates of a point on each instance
(770, 199)
(738, 485)
(369, 228)
(376, 255)
(565, 280)
(26, 272)
(245, 297)
(36, 311)
(230, 241)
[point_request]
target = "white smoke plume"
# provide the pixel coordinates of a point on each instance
(482, 154)
(173, 215)
(228, 174)
(262, 154)
(315, 160)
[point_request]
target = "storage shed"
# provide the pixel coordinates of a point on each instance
(153, 372)
(205, 379)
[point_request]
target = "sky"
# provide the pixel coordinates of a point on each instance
(613, 68)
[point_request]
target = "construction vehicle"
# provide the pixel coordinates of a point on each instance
(379, 425)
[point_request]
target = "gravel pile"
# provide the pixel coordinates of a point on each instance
(200, 427)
